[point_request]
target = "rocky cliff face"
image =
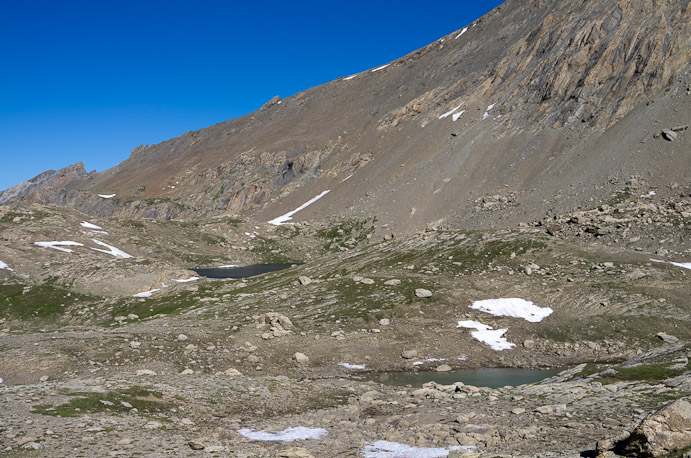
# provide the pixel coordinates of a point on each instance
(49, 178)
(534, 100)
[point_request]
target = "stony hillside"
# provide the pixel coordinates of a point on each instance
(541, 103)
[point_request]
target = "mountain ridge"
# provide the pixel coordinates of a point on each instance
(557, 75)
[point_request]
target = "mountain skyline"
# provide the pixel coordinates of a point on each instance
(90, 83)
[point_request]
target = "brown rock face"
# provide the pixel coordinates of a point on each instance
(665, 431)
(46, 179)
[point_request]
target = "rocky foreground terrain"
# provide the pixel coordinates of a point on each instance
(514, 195)
(91, 370)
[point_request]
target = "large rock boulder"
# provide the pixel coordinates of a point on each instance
(661, 433)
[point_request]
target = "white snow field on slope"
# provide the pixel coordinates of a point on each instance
(685, 265)
(449, 113)
(185, 280)
(380, 68)
(146, 293)
(352, 366)
(513, 307)
(5, 266)
(455, 116)
(485, 334)
(288, 216)
(287, 435)
(59, 245)
(386, 449)
(111, 250)
(106, 196)
(89, 225)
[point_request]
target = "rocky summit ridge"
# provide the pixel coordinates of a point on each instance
(537, 98)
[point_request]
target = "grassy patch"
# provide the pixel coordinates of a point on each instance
(346, 234)
(44, 300)
(645, 372)
(160, 305)
(270, 251)
(146, 401)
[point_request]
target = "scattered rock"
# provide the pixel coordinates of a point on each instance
(367, 281)
(275, 319)
(384, 322)
(304, 280)
(409, 354)
(232, 372)
(196, 445)
(423, 293)
(661, 433)
(667, 338)
(301, 358)
(669, 135)
(443, 368)
(392, 282)
(181, 338)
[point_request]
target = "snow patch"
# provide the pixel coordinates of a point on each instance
(657, 260)
(59, 245)
(352, 366)
(287, 435)
(386, 449)
(185, 280)
(449, 113)
(465, 29)
(111, 250)
(347, 178)
(513, 307)
(229, 266)
(457, 115)
(487, 335)
(288, 216)
(380, 68)
(146, 293)
(650, 194)
(348, 78)
(685, 265)
(5, 266)
(470, 324)
(89, 225)
(106, 196)
(1, 380)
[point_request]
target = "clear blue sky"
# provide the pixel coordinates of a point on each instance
(90, 80)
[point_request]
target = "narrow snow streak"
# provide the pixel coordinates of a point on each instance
(457, 115)
(348, 78)
(5, 266)
(352, 366)
(185, 280)
(465, 29)
(685, 265)
(437, 360)
(146, 293)
(513, 307)
(380, 68)
(59, 245)
(347, 178)
(449, 113)
(106, 196)
(386, 449)
(288, 216)
(650, 194)
(111, 250)
(89, 225)
(287, 435)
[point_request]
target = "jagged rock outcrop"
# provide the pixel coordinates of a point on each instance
(664, 432)
(46, 179)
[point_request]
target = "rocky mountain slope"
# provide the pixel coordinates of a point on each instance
(545, 103)
(49, 178)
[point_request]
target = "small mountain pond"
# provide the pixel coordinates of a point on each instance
(242, 271)
(492, 378)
